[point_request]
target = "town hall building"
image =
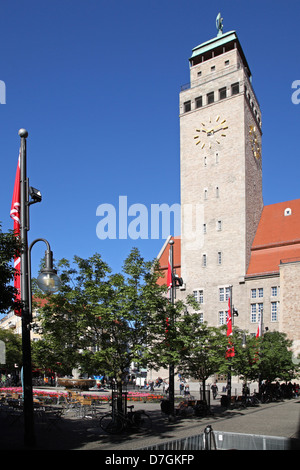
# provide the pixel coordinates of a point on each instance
(230, 241)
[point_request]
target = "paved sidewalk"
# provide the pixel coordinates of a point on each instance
(274, 419)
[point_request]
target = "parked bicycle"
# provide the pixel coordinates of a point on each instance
(117, 422)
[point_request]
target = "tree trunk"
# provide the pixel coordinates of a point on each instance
(119, 397)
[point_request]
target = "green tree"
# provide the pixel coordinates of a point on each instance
(245, 362)
(13, 349)
(276, 357)
(70, 317)
(46, 358)
(102, 322)
(124, 323)
(268, 357)
(202, 351)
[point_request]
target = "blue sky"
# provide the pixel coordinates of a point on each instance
(96, 84)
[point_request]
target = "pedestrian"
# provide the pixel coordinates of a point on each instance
(181, 387)
(214, 389)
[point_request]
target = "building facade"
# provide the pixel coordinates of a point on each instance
(230, 241)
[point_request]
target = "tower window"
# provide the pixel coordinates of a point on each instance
(217, 191)
(213, 68)
(222, 93)
(219, 225)
(198, 102)
(235, 88)
(219, 257)
(187, 106)
(210, 97)
(204, 261)
(226, 62)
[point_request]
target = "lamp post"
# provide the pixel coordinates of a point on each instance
(26, 296)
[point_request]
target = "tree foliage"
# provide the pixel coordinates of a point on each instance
(203, 348)
(268, 357)
(13, 349)
(275, 357)
(102, 322)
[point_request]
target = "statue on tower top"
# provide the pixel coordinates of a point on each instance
(219, 24)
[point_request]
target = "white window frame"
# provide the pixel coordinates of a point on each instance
(224, 293)
(273, 290)
(255, 311)
(222, 317)
(199, 295)
(274, 311)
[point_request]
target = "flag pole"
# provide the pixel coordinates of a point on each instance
(229, 372)
(29, 435)
(171, 366)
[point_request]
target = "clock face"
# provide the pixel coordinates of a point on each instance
(255, 142)
(211, 133)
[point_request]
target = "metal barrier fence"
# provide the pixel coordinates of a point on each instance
(219, 440)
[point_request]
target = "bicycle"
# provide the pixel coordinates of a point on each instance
(116, 422)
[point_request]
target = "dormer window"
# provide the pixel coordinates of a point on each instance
(288, 211)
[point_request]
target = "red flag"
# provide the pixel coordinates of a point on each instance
(258, 334)
(230, 349)
(169, 284)
(15, 215)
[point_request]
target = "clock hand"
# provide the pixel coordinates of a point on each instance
(220, 129)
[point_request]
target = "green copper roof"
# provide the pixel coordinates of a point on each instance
(217, 42)
(220, 40)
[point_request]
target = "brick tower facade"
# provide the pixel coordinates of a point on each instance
(221, 177)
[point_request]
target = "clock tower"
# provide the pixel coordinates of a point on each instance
(221, 174)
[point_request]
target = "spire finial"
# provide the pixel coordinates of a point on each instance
(219, 24)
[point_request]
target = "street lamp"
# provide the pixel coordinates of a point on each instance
(26, 296)
(48, 280)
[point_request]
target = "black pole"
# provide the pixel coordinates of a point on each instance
(171, 366)
(229, 372)
(29, 435)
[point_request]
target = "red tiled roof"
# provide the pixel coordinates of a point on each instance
(268, 260)
(277, 240)
(277, 237)
(163, 258)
